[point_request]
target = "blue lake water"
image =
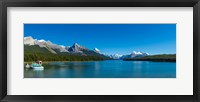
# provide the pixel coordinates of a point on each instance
(104, 69)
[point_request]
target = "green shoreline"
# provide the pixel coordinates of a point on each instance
(155, 58)
(152, 60)
(63, 61)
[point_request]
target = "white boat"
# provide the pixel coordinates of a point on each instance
(38, 69)
(37, 65)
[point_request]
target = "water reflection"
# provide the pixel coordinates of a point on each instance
(104, 69)
(38, 69)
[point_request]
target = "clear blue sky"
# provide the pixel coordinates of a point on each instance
(109, 38)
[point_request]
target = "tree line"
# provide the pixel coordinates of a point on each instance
(34, 53)
(54, 57)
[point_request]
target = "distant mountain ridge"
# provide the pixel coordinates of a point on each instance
(46, 50)
(134, 54)
(159, 58)
(75, 49)
(42, 43)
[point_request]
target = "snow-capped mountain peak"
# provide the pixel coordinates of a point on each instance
(96, 50)
(29, 40)
(134, 54)
(138, 54)
(76, 48)
(116, 56)
(62, 46)
(42, 43)
(42, 40)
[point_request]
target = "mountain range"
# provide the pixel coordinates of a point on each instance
(134, 54)
(75, 49)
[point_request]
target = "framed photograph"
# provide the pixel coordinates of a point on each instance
(102, 50)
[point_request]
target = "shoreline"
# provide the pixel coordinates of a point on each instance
(62, 61)
(154, 60)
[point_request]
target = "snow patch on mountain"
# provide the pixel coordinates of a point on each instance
(29, 40)
(116, 56)
(134, 54)
(42, 43)
(62, 46)
(96, 50)
(76, 48)
(42, 40)
(138, 54)
(67, 47)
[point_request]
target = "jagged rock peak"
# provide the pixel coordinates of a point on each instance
(29, 40)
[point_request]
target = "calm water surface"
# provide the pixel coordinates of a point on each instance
(104, 69)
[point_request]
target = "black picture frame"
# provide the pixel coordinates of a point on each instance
(99, 3)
